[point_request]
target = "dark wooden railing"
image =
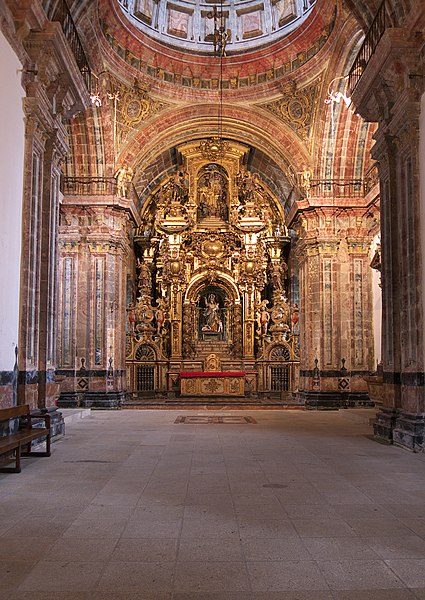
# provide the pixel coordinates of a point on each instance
(373, 36)
(59, 11)
(95, 186)
(89, 186)
(336, 188)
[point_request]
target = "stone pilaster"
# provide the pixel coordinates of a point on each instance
(389, 92)
(45, 148)
(94, 252)
(336, 341)
(55, 91)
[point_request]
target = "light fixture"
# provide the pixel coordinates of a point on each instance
(337, 97)
(214, 147)
(221, 35)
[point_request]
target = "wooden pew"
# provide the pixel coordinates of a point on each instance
(20, 442)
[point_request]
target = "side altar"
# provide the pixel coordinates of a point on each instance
(212, 382)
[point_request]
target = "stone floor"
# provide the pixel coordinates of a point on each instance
(134, 506)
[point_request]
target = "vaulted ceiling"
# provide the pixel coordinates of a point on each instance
(270, 96)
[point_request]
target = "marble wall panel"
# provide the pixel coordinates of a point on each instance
(285, 12)
(327, 311)
(67, 311)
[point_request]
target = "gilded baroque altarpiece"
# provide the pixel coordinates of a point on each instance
(211, 278)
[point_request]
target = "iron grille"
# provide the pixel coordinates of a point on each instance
(145, 378)
(280, 378)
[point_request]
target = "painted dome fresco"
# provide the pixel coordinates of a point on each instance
(190, 24)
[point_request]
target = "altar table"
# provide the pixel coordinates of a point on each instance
(212, 383)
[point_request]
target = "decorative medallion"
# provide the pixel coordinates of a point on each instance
(213, 248)
(135, 109)
(137, 106)
(213, 148)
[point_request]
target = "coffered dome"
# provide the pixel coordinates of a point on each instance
(189, 24)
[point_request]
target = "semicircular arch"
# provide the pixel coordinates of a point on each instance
(247, 126)
(201, 279)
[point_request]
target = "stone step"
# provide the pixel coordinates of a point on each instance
(211, 403)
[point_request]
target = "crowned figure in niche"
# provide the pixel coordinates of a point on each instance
(212, 316)
(212, 195)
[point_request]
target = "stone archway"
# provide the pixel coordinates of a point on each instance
(212, 318)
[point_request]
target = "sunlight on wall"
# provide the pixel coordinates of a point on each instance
(11, 176)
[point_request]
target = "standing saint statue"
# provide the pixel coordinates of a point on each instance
(123, 176)
(211, 314)
(212, 195)
(264, 316)
(305, 180)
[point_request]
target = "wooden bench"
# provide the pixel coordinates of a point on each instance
(20, 442)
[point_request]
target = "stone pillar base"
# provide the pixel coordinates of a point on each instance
(359, 399)
(111, 400)
(322, 400)
(409, 431)
(384, 425)
(57, 422)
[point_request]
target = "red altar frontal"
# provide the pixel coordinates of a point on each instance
(212, 383)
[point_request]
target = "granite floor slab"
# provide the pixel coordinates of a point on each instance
(134, 506)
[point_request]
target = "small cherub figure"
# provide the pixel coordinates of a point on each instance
(264, 316)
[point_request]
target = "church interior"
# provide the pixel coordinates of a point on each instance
(214, 204)
(217, 207)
